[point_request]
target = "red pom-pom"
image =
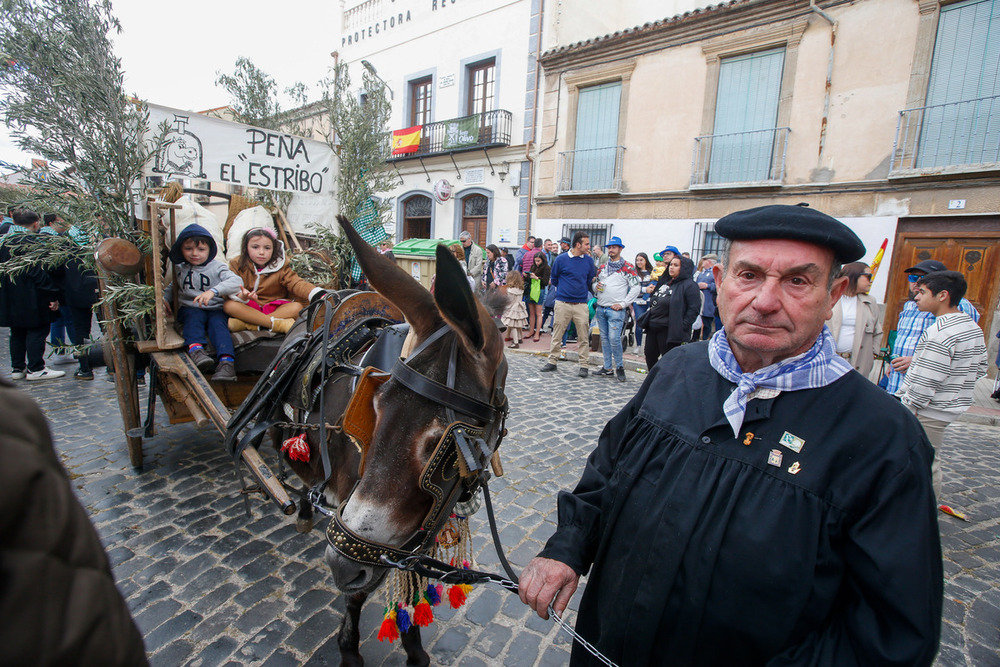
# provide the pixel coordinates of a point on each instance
(456, 597)
(297, 448)
(423, 615)
(388, 631)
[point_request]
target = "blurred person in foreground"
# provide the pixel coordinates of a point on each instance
(782, 514)
(58, 599)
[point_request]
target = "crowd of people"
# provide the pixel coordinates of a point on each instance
(45, 303)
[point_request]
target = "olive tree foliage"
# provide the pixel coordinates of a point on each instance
(356, 129)
(62, 98)
(359, 133)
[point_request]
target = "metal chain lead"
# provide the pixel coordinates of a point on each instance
(592, 650)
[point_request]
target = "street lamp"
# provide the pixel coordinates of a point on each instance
(368, 66)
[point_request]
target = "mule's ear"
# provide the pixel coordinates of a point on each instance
(455, 299)
(395, 284)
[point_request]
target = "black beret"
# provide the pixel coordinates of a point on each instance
(797, 223)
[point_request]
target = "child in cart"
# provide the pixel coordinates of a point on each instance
(271, 294)
(204, 285)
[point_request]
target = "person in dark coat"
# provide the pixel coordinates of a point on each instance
(81, 292)
(58, 599)
(673, 307)
(29, 303)
(784, 502)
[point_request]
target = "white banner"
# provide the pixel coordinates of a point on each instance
(307, 211)
(212, 149)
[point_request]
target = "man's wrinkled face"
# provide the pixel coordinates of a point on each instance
(773, 298)
(467, 242)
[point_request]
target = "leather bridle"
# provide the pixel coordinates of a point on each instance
(456, 468)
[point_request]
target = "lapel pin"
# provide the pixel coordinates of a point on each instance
(793, 442)
(794, 468)
(774, 458)
(748, 438)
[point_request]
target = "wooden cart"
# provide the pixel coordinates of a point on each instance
(184, 392)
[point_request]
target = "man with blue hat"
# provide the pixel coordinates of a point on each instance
(616, 286)
(758, 502)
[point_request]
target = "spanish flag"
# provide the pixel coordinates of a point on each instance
(406, 141)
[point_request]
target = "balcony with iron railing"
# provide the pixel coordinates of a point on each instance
(591, 170)
(490, 129)
(956, 138)
(742, 159)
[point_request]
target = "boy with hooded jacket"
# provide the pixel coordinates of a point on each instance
(204, 285)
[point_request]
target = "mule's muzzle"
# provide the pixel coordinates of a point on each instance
(351, 577)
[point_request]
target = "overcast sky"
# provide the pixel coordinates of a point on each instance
(171, 53)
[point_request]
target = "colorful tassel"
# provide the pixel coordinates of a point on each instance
(388, 631)
(297, 448)
(423, 615)
(466, 588)
(433, 595)
(403, 620)
(456, 596)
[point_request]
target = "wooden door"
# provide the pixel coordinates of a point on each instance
(973, 250)
(475, 218)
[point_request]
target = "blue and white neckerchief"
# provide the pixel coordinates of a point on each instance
(615, 266)
(817, 367)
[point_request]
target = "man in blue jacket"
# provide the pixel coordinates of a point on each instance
(572, 273)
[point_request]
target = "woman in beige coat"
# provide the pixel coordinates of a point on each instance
(857, 319)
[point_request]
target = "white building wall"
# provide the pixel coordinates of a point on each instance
(409, 39)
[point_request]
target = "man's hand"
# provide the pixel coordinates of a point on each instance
(702, 285)
(167, 310)
(617, 306)
(901, 364)
(203, 298)
(544, 580)
(53, 305)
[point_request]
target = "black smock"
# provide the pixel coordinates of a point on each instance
(702, 553)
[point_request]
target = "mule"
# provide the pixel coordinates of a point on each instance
(394, 483)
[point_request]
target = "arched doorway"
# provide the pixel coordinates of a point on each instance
(475, 217)
(417, 217)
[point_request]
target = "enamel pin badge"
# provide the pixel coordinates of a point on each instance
(794, 468)
(774, 458)
(793, 442)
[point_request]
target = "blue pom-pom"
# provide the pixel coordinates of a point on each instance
(433, 596)
(402, 620)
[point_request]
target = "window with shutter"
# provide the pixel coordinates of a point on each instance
(746, 113)
(961, 122)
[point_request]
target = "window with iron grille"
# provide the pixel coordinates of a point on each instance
(420, 101)
(598, 232)
(417, 217)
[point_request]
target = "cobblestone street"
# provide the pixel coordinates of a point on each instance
(209, 586)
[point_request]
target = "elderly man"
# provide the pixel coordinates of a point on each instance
(473, 257)
(782, 513)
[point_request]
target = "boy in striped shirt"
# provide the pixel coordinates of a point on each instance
(949, 359)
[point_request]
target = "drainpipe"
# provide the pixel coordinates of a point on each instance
(534, 124)
(829, 76)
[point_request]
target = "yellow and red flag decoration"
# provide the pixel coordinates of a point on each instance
(406, 141)
(878, 259)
